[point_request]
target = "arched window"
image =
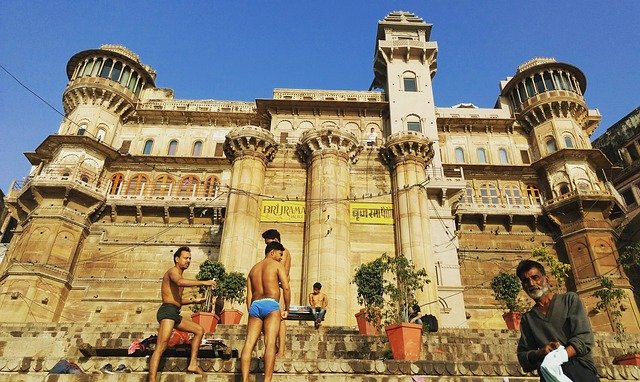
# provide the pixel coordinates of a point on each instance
(188, 186)
(551, 145)
(568, 141)
(148, 146)
(162, 186)
(100, 135)
(211, 186)
(410, 82)
(106, 69)
(482, 155)
(468, 195)
(115, 73)
(137, 184)
(459, 155)
(489, 194)
(533, 194)
(96, 67)
(504, 158)
(133, 81)
(563, 188)
(82, 128)
(512, 194)
(413, 123)
(197, 149)
(548, 82)
(583, 185)
(126, 73)
(173, 146)
(87, 68)
(116, 184)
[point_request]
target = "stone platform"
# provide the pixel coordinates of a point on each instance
(29, 351)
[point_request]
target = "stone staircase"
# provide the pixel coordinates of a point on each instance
(29, 351)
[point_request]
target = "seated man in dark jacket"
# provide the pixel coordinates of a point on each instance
(555, 320)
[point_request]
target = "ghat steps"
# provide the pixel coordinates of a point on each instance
(28, 351)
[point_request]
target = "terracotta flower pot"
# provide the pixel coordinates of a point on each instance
(364, 326)
(207, 320)
(627, 359)
(230, 316)
(405, 340)
(513, 320)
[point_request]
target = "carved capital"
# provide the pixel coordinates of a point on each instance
(407, 145)
(250, 141)
(328, 140)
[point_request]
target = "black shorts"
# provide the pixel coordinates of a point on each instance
(169, 311)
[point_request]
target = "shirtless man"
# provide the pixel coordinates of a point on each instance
(169, 313)
(318, 302)
(263, 295)
(269, 236)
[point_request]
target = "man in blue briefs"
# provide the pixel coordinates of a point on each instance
(263, 293)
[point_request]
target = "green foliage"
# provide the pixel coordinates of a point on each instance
(630, 256)
(400, 281)
(368, 280)
(231, 286)
(558, 269)
(386, 288)
(611, 300)
(506, 289)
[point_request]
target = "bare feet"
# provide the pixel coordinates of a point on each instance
(195, 370)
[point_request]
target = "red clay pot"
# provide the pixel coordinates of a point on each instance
(513, 320)
(627, 359)
(364, 326)
(405, 340)
(207, 320)
(230, 316)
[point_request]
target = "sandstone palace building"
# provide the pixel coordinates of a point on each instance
(465, 192)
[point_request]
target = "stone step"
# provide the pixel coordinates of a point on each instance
(173, 369)
(278, 377)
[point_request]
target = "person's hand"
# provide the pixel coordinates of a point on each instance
(548, 348)
(212, 283)
(284, 313)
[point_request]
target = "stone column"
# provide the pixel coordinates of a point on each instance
(328, 153)
(407, 155)
(249, 148)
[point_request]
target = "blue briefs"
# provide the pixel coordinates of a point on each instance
(263, 307)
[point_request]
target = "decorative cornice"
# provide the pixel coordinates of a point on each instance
(326, 139)
(407, 145)
(250, 141)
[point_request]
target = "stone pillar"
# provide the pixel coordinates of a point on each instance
(407, 155)
(249, 148)
(328, 153)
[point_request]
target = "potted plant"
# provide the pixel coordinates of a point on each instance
(231, 288)
(506, 289)
(611, 298)
(368, 280)
(203, 314)
(400, 281)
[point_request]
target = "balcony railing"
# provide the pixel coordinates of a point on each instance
(499, 204)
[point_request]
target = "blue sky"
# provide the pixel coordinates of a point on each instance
(242, 50)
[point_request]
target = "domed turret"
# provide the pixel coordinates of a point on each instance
(104, 86)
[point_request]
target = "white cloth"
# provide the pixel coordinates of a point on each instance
(551, 368)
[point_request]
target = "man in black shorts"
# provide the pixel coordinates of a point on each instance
(168, 315)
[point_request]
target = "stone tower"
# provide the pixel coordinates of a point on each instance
(547, 97)
(68, 185)
(404, 65)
